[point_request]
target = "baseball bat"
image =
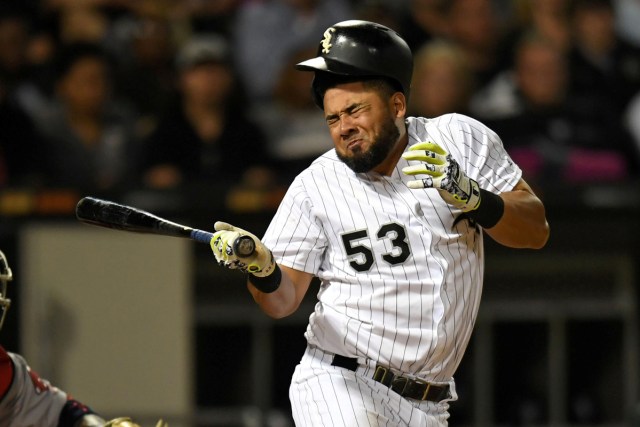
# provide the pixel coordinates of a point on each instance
(105, 213)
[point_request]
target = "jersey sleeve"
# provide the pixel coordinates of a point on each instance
(30, 400)
(483, 156)
(295, 236)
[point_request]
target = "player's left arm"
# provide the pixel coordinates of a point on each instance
(514, 218)
(523, 223)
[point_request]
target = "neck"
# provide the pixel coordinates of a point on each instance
(387, 167)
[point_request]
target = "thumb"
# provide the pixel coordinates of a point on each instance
(223, 226)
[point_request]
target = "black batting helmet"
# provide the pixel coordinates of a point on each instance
(361, 49)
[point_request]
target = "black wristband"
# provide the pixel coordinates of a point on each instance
(72, 412)
(267, 284)
(490, 210)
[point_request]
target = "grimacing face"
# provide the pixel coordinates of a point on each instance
(363, 126)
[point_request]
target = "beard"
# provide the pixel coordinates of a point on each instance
(364, 161)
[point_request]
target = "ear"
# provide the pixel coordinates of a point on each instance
(399, 104)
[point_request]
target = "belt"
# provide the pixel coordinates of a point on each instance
(411, 388)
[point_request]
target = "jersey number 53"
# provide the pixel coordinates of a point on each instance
(361, 257)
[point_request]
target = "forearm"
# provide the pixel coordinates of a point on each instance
(523, 223)
(277, 289)
(286, 299)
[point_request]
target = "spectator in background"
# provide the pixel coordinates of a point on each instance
(296, 130)
(627, 16)
(90, 137)
(605, 69)
(82, 22)
(548, 18)
(20, 145)
(442, 80)
(206, 134)
(475, 26)
(24, 55)
(422, 21)
(383, 12)
(267, 33)
(145, 73)
(544, 128)
(14, 37)
(209, 16)
(632, 120)
(58, 23)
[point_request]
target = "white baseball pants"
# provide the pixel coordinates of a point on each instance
(330, 396)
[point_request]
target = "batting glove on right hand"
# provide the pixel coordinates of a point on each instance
(260, 263)
(445, 175)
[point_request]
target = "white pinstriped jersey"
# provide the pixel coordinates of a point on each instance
(400, 279)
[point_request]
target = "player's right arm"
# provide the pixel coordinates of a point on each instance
(287, 298)
(278, 290)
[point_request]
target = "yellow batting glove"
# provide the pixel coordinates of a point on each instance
(260, 263)
(444, 174)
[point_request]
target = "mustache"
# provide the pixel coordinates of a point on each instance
(351, 138)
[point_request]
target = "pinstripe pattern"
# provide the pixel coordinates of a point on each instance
(324, 395)
(400, 284)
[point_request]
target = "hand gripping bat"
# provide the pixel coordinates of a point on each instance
(104, 213)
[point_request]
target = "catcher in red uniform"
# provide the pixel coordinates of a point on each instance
(28, 400)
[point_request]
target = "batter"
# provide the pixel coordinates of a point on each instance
(391, 221)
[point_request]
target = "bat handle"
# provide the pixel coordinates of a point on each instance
(201, 236)
(243, 246)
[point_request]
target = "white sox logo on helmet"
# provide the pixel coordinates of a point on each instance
(326, 41)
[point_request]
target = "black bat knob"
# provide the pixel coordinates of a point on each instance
(244, 246)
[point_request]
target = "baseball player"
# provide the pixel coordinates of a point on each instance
(391, 220)
(26, 400)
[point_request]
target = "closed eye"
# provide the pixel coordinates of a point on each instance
(332, 119)
(353, 111)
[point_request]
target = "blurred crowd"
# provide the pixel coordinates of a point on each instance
(115, 95)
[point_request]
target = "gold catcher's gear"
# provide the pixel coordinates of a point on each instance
(126, 422)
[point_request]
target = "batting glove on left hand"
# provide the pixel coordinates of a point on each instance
(260, 263)
(444, 174)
